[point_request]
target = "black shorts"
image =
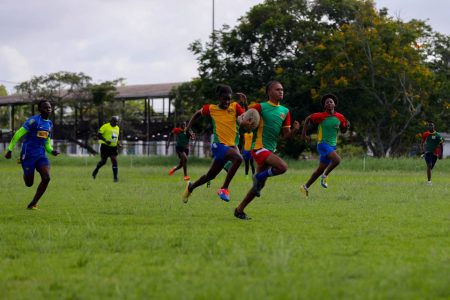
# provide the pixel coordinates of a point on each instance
(181, 150)
(108, 151)
(430, 159)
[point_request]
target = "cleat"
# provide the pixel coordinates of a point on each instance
(187, 178)
(257, 186)
(32, 207)
(323, 181)
(172, 171)
(241, 215)
(224, 194)
(186, 192)
(304, 190)
(208, 184)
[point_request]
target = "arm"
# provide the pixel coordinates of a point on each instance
(197, 115)
(305, 128)
(441, 145)
(345, 127)
(17, 136)
(48, 147)
(288, 133)
(100, 137)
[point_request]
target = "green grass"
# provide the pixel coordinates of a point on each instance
(374, 234)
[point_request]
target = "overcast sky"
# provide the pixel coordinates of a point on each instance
(143, 41)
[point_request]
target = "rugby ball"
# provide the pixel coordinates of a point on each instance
(252, 116)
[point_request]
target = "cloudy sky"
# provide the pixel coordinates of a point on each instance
(143, 41)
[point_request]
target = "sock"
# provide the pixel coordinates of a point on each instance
(115, 171)
(264, 174)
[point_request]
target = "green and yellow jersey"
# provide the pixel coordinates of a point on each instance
(329, 125)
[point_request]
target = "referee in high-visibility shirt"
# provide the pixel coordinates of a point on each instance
(108, 136)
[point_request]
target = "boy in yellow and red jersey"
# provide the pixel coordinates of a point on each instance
(275, 119)
(330, 122)
(224, 143)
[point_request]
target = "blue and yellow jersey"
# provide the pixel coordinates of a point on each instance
(109, 133)
(225, 126)
(39, 130)
(273, 119)
(329, 125)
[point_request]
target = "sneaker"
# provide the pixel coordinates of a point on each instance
(304, 190)
(172, 171)
(32, 207)
(186, 192)
(257, 186)
(224, 194)
(323, 181)
(429, 183)
(208, 184)
(187, 178)
(241, 215)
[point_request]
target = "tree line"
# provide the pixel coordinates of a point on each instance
(390, 75)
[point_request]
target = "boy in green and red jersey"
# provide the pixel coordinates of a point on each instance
(224, 145)
(181, 147)
(275, 118)
(432, 147)
(329, 122)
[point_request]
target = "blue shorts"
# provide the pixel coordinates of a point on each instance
(247, 155)
(31, 163)
(219, 152)
(324, 150)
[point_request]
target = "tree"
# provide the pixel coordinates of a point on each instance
(374, 64)
(3, 91)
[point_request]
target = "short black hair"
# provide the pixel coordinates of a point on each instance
(223, 89)
(269, 85)
(42, 102)
(326, 96)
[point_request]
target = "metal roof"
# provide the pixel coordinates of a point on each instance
(127, 92)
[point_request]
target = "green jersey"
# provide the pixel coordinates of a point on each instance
(109, 133)
(432, 140)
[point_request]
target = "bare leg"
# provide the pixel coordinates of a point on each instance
(215, 169)
(236, 158)
(44, 171)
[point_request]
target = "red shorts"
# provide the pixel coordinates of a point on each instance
(261, 155)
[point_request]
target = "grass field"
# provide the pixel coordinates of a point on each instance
(377, 233)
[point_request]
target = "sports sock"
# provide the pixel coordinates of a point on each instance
(264, 174)
(115, 170)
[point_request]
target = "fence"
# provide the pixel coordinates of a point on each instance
(197, 148)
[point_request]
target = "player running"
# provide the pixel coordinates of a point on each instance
(329, 122)
(182, 148)
(108, 137)
(432, 147)
(275, 119)
(37, 131)
(223, 146)
(247, 153)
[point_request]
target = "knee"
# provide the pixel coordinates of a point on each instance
(46, 179)
(282, 168)
(238, 160)
(337, 160)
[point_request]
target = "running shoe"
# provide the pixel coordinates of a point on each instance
(224, 194)
(241, 215)
(304, 190)
(186, 192)
(172, 171)
(187, 178)
(323, 181)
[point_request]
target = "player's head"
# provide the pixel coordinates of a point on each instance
(114, 120)
(430, 125)
(45, 108)
(274, 90)
(329, 101)
(223, 94)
